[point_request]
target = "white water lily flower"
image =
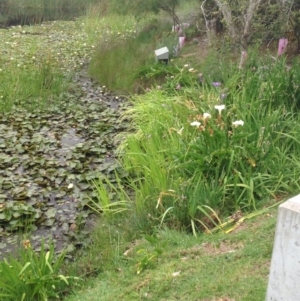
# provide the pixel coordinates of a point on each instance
(70, 186)
(220, 108)
(195, 123)
(206, 115)
(238, 123)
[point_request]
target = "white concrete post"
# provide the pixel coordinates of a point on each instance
(284, 278)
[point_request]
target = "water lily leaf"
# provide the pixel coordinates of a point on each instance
(49, 222)
(58, 181)
(84, 186)
(65, 227)
(37, 214)
(16, 214)
(42, 172)
(98, 150)
(80, 145)
(71, 177)
(50, 171)
(19, 191)
(50, 213)
(6, 215)
(60, 194)
(40, 181)
(7, 185)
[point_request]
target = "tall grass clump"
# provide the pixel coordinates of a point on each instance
(15, 12)
(101, 22)
(121, 54)
(229, 146)
(116, 61)
(33, 276)
(32, 88)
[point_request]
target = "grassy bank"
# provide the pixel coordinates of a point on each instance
(177, 266)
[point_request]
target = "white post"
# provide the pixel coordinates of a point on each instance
(284, 278)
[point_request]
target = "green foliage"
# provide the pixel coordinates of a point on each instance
(230, 146)
(124, 53)
(116, 61)
(109, 239)
(149, 255)
(15, 216)
(255, 22)
(14, 12)
(33, 276)
(34, 88)
(268, 23)
(111, 198)
(139, 8)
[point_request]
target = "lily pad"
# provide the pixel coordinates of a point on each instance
(50, 213)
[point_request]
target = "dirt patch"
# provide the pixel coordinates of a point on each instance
(213, 249)
(222, 248)
(220, 299)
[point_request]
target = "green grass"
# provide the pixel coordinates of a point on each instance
(20, 12)
(38, 87)
(120, 55)
(234, 265)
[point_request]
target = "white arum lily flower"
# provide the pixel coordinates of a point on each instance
(238, 123)
(206, 116)
(220, 108)
(195, 123)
